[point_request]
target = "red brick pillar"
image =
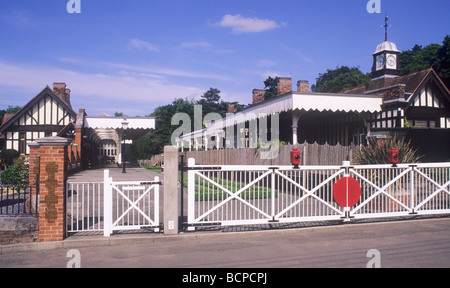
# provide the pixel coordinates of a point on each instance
(52, 153)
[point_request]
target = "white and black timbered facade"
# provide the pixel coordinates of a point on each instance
(415, 106)
(47, 114)
(426, 106)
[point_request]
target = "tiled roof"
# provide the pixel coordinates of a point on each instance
(411, 81)
(6, 118)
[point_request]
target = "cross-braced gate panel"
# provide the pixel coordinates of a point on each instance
(386, 191)
(130, 205)
(306, 194)
(229, 196)
(235, 195)
(232, 195)
(432, 189)
(402, 190)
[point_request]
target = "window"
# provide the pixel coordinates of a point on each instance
(22, 143)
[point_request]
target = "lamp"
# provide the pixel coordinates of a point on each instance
(124, 127)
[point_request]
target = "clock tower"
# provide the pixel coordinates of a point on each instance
(386, 58)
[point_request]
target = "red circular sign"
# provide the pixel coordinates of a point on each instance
(346, 191)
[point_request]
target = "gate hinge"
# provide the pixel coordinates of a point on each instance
(151, 183)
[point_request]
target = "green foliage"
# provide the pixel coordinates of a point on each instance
(205, 191)
(376, 152)
(434, 55)
(443, 62)
(9, 110)
(271, 87)
(8, 156)
(419, 58)
(156, 169)
(17, 174)
(340, 79)
(211, 102)
(153, 143)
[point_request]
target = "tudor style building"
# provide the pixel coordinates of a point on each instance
(95, 139)
(49, 113)
(416, 107)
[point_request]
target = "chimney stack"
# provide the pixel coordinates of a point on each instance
(258, 95)
(61, 90)
(284, 85)
(231, 108)
(303, 86)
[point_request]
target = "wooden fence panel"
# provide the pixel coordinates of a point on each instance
(312, 155)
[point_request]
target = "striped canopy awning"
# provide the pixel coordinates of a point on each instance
(299, 101)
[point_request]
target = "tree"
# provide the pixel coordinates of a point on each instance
(17, 174)
(419, 58)
(153, 143)
(8, 156)
(434, 55)
(443, 62)
(211, 101)
(340, 79)
(9, 110)
(271, 87)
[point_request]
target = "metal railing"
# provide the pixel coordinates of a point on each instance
(84, 204)
(17, 201)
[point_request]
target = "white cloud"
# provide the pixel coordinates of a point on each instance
(150, 71)
(265, 63)
(101, 91)
(142, 45)
(165, 71)
(196, 44)
(20, 18)
(240, 24)
(264, 75)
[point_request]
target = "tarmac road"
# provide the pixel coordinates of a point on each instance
(402, 244)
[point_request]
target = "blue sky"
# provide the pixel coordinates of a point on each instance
(133, 56)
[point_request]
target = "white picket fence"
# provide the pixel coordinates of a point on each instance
(238, 195)
(253, 194)
(110, 205)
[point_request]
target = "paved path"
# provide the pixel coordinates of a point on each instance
(416, 243)
(133, 173)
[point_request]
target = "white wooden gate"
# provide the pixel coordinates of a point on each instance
(130, 205)
(239, 195)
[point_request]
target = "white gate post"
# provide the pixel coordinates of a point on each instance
(191, 193)
(273, 213)
(156, 217)
(411, 189)
(107, 204)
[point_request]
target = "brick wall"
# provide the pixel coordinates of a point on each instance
(258, 95)
(47, 157)
(303, 86)
(284, 85)
(395, 92)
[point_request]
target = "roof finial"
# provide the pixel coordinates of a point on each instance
(386, 26)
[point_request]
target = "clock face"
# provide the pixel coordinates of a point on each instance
(391, 61)
(380, 61)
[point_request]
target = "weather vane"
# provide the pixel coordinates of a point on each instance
(386, 26)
